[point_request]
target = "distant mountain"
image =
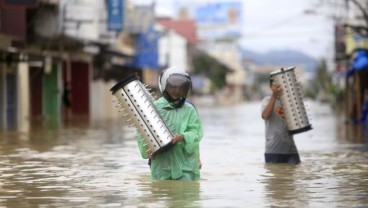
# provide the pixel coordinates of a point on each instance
(282, 58)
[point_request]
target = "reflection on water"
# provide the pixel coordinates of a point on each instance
(99, 165)
(282, 189)
(170, 194)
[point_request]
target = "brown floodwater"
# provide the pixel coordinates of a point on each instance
(98, 165)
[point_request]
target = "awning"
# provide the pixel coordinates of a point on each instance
(360, 62)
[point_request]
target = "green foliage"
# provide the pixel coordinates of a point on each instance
(263, 79)
(211, 68)
(323, 85)
(323, 77)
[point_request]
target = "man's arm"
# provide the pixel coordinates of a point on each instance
(276, 91)
(267, 111)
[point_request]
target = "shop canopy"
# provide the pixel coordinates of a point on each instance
(360, 62)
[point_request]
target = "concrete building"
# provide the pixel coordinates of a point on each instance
(14, 67)
(218, 31)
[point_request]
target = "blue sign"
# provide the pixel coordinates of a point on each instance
(147, 50)
(219, 20)
(115, 15)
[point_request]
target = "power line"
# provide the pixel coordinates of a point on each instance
(278, 24)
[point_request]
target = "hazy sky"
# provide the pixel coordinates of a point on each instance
(276, 24)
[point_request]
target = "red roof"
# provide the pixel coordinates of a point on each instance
(185, 28)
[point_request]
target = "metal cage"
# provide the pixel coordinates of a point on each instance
(137, 106)
(292, 100)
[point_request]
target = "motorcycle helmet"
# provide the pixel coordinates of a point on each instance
(174, 85)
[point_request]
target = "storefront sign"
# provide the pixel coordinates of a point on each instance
(115, 15)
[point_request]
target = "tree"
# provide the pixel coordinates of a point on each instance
(205, 65)
(323, 87)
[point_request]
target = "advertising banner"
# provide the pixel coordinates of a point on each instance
(115, 15)
(218, 13)
(147, 50)
(216, 20)
(140, 19)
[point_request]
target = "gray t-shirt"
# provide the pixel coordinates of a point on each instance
(278, 139)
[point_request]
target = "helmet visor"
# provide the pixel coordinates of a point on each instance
(178, 86)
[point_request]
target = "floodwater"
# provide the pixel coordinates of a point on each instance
(98, 165)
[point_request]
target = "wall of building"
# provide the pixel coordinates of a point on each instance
(2, 98)
(23, 110)
(102, 105)
(172, 50)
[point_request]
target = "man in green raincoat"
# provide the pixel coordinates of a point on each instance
(181, 161)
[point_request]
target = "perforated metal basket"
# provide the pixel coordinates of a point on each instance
(292, 100)
(137, 106)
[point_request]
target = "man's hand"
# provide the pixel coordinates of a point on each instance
(280, 112)
(150, 155)
(276, 89)
(177, 138)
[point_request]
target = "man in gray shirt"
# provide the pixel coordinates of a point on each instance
(280, 146)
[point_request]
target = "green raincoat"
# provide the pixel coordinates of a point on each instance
(180, 161)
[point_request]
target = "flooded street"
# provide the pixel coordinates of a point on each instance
(100, 166)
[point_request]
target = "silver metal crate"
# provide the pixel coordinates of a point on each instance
(292, 100)
(138, 108)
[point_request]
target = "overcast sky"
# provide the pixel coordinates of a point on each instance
(276, 24)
